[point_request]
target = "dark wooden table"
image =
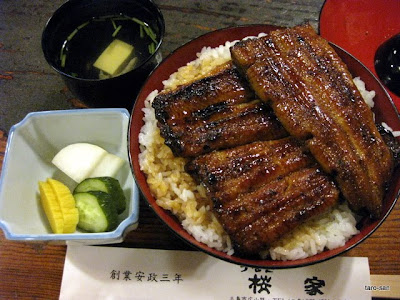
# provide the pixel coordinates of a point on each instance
(34, 270)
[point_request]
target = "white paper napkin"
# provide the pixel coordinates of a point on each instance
(93, 272)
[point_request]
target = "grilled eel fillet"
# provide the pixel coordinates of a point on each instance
(263, 190)
(313, 95)
(215, 112)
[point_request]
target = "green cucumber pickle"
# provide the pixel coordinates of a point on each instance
(97, 211)
(108, 185)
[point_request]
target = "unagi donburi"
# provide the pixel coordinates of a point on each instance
(270, 151)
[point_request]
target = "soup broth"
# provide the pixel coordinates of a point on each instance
(87, 42)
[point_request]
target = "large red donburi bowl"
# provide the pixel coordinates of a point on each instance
(384, 110)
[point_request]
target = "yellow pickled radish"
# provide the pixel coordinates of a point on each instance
(51, 207)
(66, 202)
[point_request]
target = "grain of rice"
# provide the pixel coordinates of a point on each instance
(367, 95)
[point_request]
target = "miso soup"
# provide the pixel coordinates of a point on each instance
(84, 45)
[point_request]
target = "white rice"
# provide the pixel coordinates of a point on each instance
(328, 231)
(387, 127)
(207, 59)
(369, 99)
(174, 190)
(367, 95)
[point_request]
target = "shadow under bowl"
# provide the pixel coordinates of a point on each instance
(118, 91)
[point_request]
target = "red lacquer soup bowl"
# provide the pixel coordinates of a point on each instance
(384, 111)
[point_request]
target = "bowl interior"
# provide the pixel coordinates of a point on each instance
(76, 12)
(384, 111)
(117, 91)
(31, 146)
